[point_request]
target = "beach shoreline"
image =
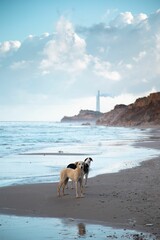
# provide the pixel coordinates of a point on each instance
(127, 199)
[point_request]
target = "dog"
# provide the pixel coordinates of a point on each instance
(87, 163)
(75, 175)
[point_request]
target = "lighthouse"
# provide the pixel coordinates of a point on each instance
(98, 101)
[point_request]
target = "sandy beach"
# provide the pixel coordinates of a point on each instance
(129, 199)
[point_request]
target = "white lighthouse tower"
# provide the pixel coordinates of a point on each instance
(98, 101)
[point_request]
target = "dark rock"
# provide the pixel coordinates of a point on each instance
(87, 116)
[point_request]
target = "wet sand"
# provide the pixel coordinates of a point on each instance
(128, 199)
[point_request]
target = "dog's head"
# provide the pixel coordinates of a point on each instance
(88, 160)
(80, 165)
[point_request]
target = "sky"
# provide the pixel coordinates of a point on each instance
(56, 55)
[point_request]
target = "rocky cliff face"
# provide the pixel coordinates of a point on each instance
(145, 111)
(87, 116)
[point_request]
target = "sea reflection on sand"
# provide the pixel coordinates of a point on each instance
(23, 228)
(97, 231)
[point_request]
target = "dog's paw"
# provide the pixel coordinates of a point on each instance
(82, 196)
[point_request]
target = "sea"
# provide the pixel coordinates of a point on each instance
(35, 152)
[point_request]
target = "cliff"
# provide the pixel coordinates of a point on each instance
(143, 112)
(87, 116)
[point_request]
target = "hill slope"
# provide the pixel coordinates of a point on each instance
(144, 111)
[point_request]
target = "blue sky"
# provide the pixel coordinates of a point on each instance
(56, 55)
(20, 18)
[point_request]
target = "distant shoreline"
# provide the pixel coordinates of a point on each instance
(56, 153)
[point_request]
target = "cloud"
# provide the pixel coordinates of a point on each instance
(140, 56)
(66, 52)
(103, 69)
(127, 18)
(9, 46)
(122, 20)
(120, 57)
(130, 43)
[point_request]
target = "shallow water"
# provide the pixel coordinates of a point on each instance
(27, 228)
(28, 169)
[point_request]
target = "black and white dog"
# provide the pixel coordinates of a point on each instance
(87, 163)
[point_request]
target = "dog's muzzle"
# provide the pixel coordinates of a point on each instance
(82, 167)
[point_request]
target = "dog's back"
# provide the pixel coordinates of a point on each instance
(72, 165)
(67, 173)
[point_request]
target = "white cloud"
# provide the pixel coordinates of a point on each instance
(30, 36)
(129, 66)
(66, 52)
(104, 69)
(140, 56)
(46, 34)
(140, 17)
(8, 46)
(122, 20)
(127, 18)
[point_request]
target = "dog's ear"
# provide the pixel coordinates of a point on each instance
(85, 159)
(76, 163)
(91, 159)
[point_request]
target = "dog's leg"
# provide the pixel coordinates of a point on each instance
(76, 186)
(72, 185)
(81, 188)
(64, 185)
(86, 178)
(59, 188)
